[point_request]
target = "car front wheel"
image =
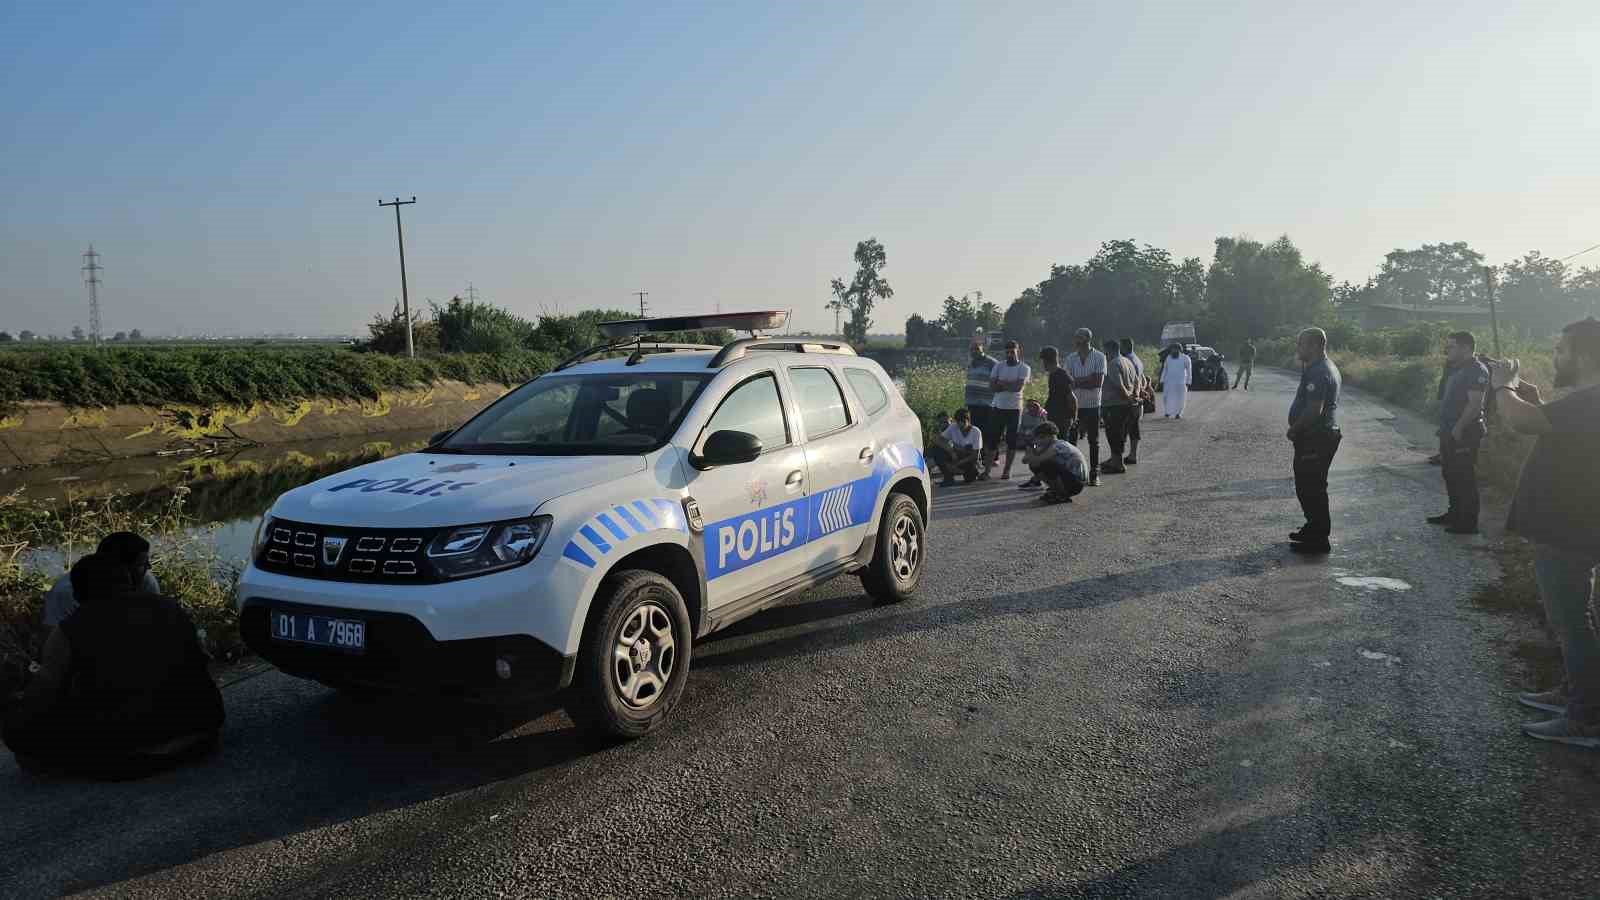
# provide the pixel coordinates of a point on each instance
(897, 560)
(634, 659)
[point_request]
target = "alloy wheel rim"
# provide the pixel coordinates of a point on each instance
(644, 656)
(905, 547)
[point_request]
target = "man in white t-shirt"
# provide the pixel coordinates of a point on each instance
(1087, 366)
(958, 448)
(1008, 379)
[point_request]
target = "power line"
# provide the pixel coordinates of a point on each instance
(472, 293)
(1579, 253)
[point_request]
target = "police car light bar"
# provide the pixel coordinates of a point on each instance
(753, 322)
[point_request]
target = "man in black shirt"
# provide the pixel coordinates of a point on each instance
(1461, 432)
(124, 689)
(1555, 508)
(1060, 405)
(1314, 431)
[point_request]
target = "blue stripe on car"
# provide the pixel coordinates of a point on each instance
(612, 527)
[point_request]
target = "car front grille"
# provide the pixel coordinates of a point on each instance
(381, 555)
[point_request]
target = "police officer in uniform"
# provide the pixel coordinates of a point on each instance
(1461, 432)
(1314, 430)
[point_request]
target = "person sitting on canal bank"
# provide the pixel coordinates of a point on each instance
(1461, 432)
(1554, 508)
(124, 689)
(128, 549)
(960, 448)
(940, 452)
(1059, 464)
(1033, 415)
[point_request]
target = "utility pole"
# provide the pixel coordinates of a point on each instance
(405, 298)
(91, 277)
(472, 293)
(1494, 319)
(642, 305)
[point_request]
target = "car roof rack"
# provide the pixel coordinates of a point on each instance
(739, 349)
(640, 350)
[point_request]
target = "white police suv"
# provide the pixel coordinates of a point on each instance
(583, 531)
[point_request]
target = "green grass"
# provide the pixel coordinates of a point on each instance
(212, 376)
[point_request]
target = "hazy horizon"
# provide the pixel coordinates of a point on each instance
(228, 164)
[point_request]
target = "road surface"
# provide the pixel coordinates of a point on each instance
(1139, 694)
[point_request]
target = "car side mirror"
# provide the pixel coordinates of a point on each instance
(434, 441)
(727, 448)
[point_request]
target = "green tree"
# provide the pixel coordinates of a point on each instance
(5, 337)
(960, 317)
(136, 335)
(1264, 289)
(864, 290)
(77, 332)
(917, 332)
(26, 335)
(387, 334)
(120, 336)
(1534, 296)
(990, 316)
(1583, 286)
(1433, 275)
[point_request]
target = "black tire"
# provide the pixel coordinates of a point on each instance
(595, 701)
(883, 578)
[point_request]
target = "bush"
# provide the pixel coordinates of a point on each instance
(211, 376)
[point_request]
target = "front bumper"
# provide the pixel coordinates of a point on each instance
(400, 654)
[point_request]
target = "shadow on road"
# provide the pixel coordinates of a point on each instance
(910, 618)
(296, 764)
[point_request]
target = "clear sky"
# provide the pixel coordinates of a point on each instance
(228, 161)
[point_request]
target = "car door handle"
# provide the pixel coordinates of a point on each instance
(865, 455)
(794, 480)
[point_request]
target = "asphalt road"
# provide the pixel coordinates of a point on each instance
(1139, 694)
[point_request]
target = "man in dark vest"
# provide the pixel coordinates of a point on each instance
(124, 688)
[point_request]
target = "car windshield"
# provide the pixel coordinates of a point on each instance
(561, 415)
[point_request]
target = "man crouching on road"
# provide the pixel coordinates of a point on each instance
(1555, 508)
(1057, 463)
(1314, 430)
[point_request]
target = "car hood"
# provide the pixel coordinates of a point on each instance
(433, 490)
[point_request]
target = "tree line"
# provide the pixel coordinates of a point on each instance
(1251, 289)
(475, 326)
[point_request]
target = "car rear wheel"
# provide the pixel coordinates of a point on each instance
(634, 658)
(897, 560)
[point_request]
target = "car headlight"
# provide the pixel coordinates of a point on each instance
(260, 539)
(480, 549)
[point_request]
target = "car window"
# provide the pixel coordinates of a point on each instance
(822, 405)
(576, 414)
(753, 407)
(868, 389)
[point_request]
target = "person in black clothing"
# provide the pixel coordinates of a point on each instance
(1314, 431)
(124, 690)
(1461, 432)
(1060, 405)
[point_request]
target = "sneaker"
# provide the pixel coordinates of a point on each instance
(1094, 480)
(1032, 484)
(948, 482)
(1565, 731)
(984, 475)
(1551, 701)
(1444, 518)
(1131, 460)
(1301, 535)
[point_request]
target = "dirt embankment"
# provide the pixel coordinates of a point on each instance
(37, 434)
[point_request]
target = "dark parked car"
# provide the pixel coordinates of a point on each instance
(1209, 373)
